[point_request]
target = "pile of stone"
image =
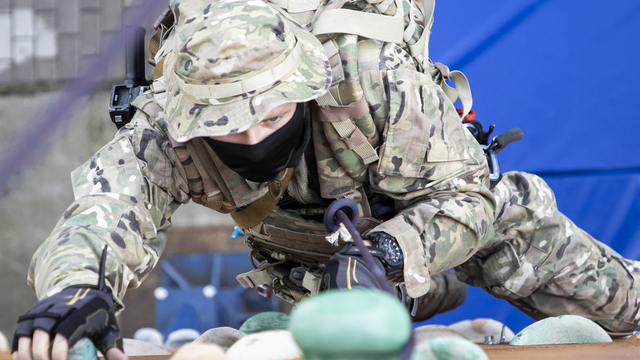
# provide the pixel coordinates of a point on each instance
(357, 325)
(354, 324)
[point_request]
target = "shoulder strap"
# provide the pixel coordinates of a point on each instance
(420, 48)
(373, 26)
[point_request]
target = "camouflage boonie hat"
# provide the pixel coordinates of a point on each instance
(234, 61)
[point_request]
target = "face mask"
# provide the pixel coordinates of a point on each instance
(263, 161)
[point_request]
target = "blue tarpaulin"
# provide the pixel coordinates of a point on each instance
(567, 73)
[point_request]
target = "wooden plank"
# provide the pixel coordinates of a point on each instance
(561, 352)
(617, 350)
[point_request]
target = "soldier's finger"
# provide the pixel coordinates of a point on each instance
(24, 348)
(40, 345)
(60, 348)
(116, 354)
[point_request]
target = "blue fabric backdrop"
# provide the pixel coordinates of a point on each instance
(567, 73)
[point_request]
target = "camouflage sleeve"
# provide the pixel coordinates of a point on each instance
(429, 163)
(125, 195)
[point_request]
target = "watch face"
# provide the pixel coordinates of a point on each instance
(393, 253)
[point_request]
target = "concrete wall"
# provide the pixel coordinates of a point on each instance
(44, 42)
(41, 44)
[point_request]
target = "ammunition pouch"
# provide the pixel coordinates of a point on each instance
(292, 253)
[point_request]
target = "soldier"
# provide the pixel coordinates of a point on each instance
(250, 117)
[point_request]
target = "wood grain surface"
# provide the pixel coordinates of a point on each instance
(617, 350)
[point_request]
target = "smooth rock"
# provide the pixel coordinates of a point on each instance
(477, 330)
(199, 351)
(4, 343)
(265, 321)
(266, 345)
(83, 349)
(222, 336)
(149, 335)
(351, 325)
(133, 347)
(180, 337)
(448, 348)
(565, 329)
(427, 332)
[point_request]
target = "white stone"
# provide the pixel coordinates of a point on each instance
(477, 330)
(448, 348)
(565, 329)
(223, 336)
(199, 351)
(181, 337)
(427, 332)
(149, 335)
(266, 345)
(134, 347)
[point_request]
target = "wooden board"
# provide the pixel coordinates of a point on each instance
(617, 350)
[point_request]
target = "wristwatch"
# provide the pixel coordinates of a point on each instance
(393, 260)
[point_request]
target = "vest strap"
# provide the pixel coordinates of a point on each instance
(346, 129)
(297, 6)
(461, 90)
(214, 197)
(258, 210)
(312, 282)
(256, 277)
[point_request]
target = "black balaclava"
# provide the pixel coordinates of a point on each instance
(264, 160)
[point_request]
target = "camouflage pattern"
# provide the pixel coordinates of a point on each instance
(125, 195)
(250, 59)
(350, 93)
(545, 265)
(511, 241)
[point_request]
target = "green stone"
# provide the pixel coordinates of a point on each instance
(268, 320)
(565, 329)
(448, 348)
(83, 350)
(358, 324)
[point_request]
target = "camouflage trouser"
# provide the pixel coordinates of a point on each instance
(543, 264)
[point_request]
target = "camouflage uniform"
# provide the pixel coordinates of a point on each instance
(512, 241)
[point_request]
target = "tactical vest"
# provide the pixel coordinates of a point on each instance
(290, 248)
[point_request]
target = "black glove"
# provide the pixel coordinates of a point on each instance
(348, 270)
(75, 312)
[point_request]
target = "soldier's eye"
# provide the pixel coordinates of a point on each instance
(273, 119)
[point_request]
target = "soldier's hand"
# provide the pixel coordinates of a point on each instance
(66, 317)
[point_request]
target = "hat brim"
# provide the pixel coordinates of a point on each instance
(188, 118)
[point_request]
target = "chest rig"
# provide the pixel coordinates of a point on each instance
(289, 245)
